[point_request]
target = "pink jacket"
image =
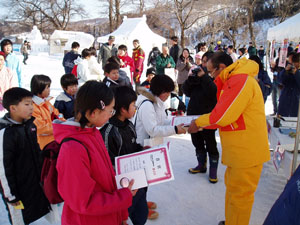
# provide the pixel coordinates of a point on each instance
(86, 181)
(7, 82)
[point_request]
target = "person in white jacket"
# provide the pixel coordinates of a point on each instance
(83, 72)
(95, 67)
(151, 119)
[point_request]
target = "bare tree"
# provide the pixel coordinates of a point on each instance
(187, 15)
(286, 8)
(118, 15)
(56, 13)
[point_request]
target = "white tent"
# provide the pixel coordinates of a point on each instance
(287, 29)
(135, 28)
(61, 40)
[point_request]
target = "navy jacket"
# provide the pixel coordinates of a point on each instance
(68, 61)
(289, 97)
(202, 92)
(65, 105)
(265, 83)
(286, 210)
(20, 163)
(119, 138)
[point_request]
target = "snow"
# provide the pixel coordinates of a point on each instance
(189, 199)
(287, 29)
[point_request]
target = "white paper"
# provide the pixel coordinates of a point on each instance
(155, 161)
(185, 120)
(139, 177)
(154, 141)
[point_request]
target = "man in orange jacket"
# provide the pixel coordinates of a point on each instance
(240, 116)
(138, 56)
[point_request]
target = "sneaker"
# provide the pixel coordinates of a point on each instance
(152, 215)
(151, 205)
(197, 169)
(222, 223)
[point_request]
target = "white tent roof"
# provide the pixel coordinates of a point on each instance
(287, 29)
(135, 28)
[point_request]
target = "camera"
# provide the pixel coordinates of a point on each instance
(196, 71)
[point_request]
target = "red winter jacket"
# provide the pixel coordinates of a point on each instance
(128, 61)
(86, 181)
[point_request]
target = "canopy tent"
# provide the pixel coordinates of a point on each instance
(287, 29)
(61, 40)
(135, 28)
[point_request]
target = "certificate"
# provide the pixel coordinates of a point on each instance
(155, 162)
(185, 120)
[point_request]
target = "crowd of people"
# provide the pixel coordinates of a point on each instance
(225, 90)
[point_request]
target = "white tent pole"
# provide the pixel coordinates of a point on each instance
(296, 147)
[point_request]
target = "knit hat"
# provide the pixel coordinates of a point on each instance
(198, 56)
(219, 42)
(151, 71)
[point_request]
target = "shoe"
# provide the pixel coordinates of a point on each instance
(198, 169)
(201, 168)
(213, 168)
(222, 223)
(151, 205)
(152, 215)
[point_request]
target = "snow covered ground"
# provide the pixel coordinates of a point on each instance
(189, 199)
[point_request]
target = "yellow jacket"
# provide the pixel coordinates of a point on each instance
(240, 116)
(44, 112)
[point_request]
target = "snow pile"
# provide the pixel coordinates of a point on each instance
(38, 44)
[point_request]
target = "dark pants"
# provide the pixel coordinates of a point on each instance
(180, 92)
(138, 212)
(205, 142)
(25, 57)
(275, 96)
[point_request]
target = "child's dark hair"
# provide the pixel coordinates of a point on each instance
(39, 83)
(161, 84)
(242, 50)
(89, 97)
(85, 53)
(208, 55)
(123, 47)
(68, 80)
(14, 96)
(136, 41)
(4, 43)
(124, 96)
(93, 51)
(111, 66)
(114, 59)
(75, 44)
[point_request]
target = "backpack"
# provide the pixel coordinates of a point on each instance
(74, 71)
(49, 172)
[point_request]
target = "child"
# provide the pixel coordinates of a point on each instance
(19, 155)
(83, 72)
(65, 101)
(43, 111)
(111, 72)
(70, 57)
(123, 77)
(149, 75)
(95, 67)
(125, 59)
(86, 178)
(120, 139)
(203, 97)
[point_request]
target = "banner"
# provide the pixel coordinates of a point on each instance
(272, 52)
(283, 53)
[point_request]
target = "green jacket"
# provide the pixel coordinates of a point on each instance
(162, 62)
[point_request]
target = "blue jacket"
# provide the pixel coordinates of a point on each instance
(286, 210)
(65, 105)
(265, 83)
(289, 97)
(68, 61)
(13, 63)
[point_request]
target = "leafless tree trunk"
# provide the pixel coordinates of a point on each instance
(118, 15)
(110, 16)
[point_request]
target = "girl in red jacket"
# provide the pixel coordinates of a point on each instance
(86, 178)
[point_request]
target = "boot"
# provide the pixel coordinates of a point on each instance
(213, 167)
(201, 168)
(222, 223)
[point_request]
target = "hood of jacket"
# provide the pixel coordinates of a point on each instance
(146, 94)
(241, 66)
(6, 121)
(70, 128)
